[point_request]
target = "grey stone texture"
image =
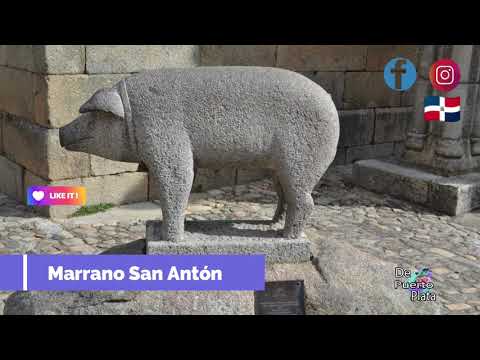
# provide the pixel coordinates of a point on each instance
(264, 117)
(322, 57)
(12, 179)
(127, 303)
(453, 195)
(121, 59)
(359, 283)
(391, 124)
(238, 55)
(356, 127)
(230, 238)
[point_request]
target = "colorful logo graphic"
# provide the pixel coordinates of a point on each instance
(400, 74)
(422, 280)
(444, 75)
(56, 195)
(439, 108)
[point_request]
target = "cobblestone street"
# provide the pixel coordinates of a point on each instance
(388, 228)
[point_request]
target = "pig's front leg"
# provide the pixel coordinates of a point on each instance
(173, 174)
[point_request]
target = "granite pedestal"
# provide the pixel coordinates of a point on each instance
(223, 237)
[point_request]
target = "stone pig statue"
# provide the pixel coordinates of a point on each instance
(173, 120)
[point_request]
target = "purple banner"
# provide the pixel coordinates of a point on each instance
(141, 272)
(11, 273)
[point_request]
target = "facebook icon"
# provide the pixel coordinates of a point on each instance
(400, 74)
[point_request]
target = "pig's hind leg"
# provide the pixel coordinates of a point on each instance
(299, 170)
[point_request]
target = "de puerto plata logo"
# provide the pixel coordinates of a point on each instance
(419, 283)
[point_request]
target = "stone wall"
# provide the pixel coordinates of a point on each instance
(42, 87)
(373, 117)
(41, 90)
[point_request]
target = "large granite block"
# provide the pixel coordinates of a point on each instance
(230, 237)
(115, 59)
(237, 55)
(452, 195)
(322, 57)
(45, 59)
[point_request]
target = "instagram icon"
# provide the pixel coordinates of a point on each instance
(444, 75)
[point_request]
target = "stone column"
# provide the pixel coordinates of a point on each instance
(445, 148)
(439, 166)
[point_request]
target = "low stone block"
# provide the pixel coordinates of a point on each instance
(356, 127)
(230, 237)
(355, 153)
(237, 55)
(16, 92)
(392, 178)
(456, 195)
(115, 59)
(322, 57)
(391, 124)
(38, 149)
(60, 96)
(11, 179)
(112, 189)
(379, 55)
(332, 82)
(101, 166)
(452, 195)
(367, 90)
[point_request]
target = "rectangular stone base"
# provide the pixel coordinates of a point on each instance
(452, 195)
(230, 238)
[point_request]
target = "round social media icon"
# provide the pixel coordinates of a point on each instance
(400, 74)
(444, 75)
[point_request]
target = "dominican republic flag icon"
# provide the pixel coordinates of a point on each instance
(439, 108)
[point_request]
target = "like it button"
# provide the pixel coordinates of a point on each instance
(56, 195)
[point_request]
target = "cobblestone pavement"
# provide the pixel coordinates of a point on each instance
(394, 230)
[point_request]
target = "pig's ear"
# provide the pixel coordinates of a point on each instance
(107, 100)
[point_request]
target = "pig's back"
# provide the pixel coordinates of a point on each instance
(232, 114)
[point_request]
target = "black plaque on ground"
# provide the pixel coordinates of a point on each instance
(281, 298)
